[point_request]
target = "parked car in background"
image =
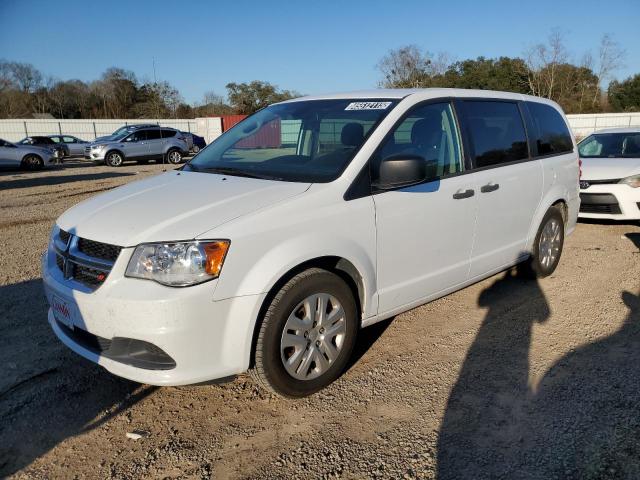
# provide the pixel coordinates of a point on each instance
(270, 255)
(60, 151)
(198, 143)
(125, 129)
(610, 182)
(27, 157)
(188, 138)
(141, 145)
(73, 144)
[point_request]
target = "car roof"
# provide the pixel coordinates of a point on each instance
(400, 93)
(618, 130)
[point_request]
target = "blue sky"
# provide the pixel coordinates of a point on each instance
(311, 47)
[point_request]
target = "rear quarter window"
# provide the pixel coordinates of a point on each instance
(497, 132)
(550, 132)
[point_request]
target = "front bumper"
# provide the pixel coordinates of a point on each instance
(610, 202)
(206, 339)
(94, 154)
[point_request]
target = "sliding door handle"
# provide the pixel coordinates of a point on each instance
(464, 194)
(489, 187)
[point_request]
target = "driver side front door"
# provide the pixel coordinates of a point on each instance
(424, 232)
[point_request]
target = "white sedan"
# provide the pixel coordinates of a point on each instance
(610, 182)
(27, 157)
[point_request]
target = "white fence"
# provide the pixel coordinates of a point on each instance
(14, 130)
(587, 123)
(211, 128)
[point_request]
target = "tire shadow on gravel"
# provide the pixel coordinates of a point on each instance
(582, 420)
(47, 393)
(33, 179)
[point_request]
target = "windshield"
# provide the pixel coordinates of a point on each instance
(307, 141)
(610, 145)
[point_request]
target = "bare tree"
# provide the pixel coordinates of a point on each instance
(404, 67)
(542, 61)
(610, 58)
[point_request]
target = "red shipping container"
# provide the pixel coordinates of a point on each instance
(269, 135)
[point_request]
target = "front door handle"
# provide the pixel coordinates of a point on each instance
(489, 187)
(464, 194)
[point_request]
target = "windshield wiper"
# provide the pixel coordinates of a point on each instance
(235, 172)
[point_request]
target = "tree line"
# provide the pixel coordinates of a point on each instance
(25, 91)
(544, 70)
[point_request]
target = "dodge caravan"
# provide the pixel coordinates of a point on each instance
(305, 222)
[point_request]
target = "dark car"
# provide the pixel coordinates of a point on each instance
(60, 150)
(198, 143)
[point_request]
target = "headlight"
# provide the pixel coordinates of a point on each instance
(633, 181)
(178, 264)
(97, 147)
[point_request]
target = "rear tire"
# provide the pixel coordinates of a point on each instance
(307, 335)
(32, 163)
(114, 159)
(547, 246)
(174, 156)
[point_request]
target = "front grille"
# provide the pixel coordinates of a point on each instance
(599, 203)
(84, 261)
(64, 236)
(104, 251)
(89, 276)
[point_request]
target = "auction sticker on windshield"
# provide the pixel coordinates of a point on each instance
(62, 311)
(368, 106)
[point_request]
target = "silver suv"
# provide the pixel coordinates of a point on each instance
(142, 145)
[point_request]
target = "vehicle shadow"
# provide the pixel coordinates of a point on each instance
(47, 393)
(635, 238)
(367, 337)
(582, 420)
(33, 180)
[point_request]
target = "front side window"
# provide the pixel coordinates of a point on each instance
(56, 139)
(305, 141)
(430, 132)
(550, 134)
(136, 136)
(68, 139)
(610, 145)
(497, 132)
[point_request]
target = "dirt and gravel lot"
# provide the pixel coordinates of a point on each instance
(505, 379)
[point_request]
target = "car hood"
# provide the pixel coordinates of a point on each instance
(609, 168)
(177, 205)
(106, 138)
(41, 149)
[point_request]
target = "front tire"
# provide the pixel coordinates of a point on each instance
(548, 244)
(174, 157)
(307, 334)
(32, 163)
(114, 159)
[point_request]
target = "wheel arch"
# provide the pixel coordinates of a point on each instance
(115, 150)
(553, 198)
(30, 155)
(340, 266)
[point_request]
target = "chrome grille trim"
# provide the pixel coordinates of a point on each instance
(75, 264)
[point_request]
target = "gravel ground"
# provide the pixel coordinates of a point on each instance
(505, 379)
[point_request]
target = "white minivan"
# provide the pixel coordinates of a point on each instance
(305, 222)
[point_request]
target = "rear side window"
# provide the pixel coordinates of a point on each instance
(153, 134)
(166, 133)
(550, 132)
(497, 132)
